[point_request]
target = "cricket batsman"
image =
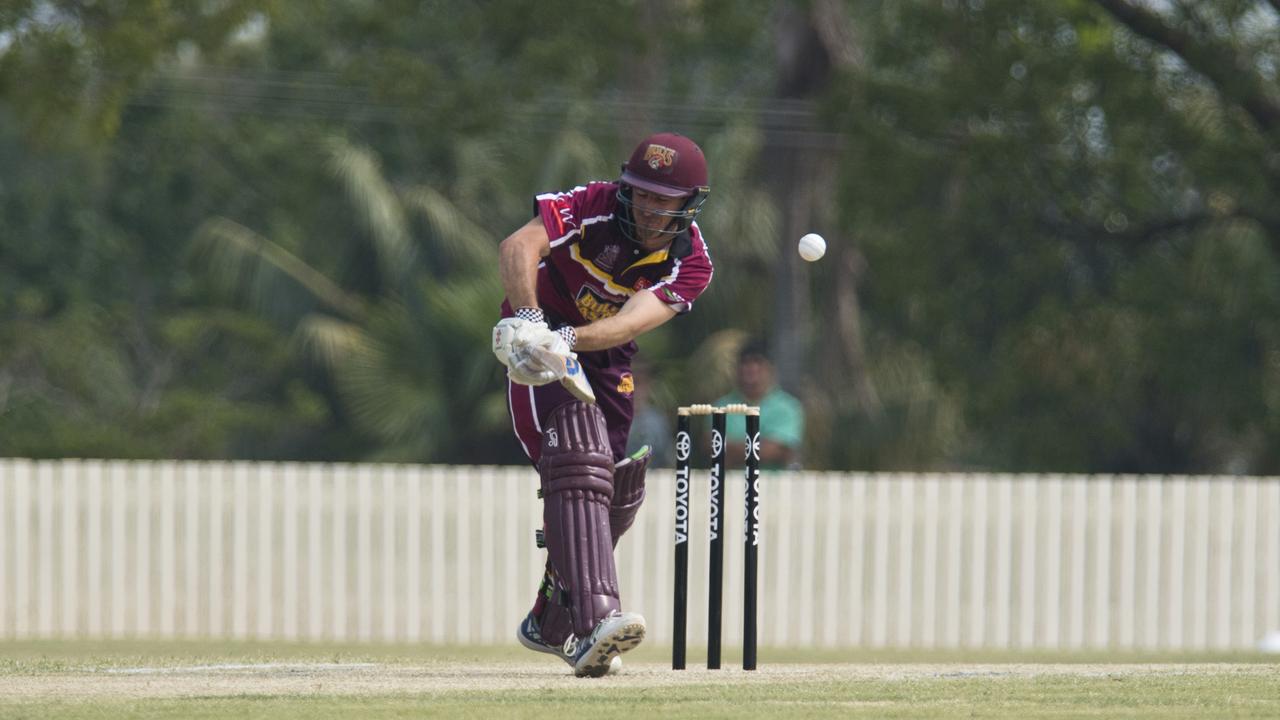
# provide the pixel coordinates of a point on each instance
(596, 267)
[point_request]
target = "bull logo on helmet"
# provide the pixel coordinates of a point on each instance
(659, 157)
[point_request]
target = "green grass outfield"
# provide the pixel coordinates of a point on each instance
(247, 680)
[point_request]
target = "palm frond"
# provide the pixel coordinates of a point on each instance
(466, 306)
(384, 380)
(385, 403)
(376, 202)
(329, 340)
(465, 310)
(460, 238)
(242, 260)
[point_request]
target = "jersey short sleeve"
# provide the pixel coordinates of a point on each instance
(564, 214)
(689, 276)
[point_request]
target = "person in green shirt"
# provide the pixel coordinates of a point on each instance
(781, 414)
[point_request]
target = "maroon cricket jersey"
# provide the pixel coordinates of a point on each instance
(591, 272)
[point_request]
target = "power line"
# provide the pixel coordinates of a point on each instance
(326, 97)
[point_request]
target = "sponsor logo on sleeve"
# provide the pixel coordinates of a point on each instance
(670, 295)
(642, 283)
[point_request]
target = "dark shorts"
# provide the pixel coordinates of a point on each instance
(530, 406)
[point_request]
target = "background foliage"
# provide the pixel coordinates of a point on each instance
(267, 230)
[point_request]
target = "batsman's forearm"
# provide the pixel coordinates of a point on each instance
(604, 334)
(518, 267)
(642, 313)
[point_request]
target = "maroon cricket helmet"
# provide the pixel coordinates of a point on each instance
(664, 164)
(667, 164)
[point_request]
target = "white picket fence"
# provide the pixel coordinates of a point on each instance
(446, 555)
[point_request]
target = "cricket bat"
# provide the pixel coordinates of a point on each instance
(568, 370)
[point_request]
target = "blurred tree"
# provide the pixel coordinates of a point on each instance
(1070, 225)
(408, 354)
(68, 67)
(107, 349)
(404, 331)
(1052, 226)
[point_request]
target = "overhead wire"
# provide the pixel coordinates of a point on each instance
(326, 96)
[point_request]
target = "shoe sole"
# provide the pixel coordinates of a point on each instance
(599, 660)
(615, 665)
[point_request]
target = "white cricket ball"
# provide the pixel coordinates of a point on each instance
(812, 247)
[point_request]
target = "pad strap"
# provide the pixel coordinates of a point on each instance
(628, 492)
(576, 468)
(555, 622)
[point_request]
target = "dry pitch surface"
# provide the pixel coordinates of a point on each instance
(371, 678)
(107, 680)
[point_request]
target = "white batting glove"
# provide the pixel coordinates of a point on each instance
(559, 341)
(525, 369)
(510, 332)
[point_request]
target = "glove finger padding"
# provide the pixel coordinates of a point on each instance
(525, 369)
(553, 340)
(576, 469)
(504, 334)
(628, 492)
(512, 332)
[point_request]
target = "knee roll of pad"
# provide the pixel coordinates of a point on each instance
(628, 492)
(576, 470)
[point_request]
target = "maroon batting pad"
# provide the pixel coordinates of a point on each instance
(628, 493)
(577, 486)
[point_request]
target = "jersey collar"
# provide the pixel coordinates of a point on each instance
(681, 246)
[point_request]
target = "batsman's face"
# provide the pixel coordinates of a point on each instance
(648, 209)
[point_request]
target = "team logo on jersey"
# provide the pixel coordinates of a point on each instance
(592, 307)
(627, 384)
(606, 258)
(658, 157)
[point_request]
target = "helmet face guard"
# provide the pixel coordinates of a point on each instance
(674, 221)
(668, 165)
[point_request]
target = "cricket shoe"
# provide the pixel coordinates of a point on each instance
(614, 635)
(530, 635)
